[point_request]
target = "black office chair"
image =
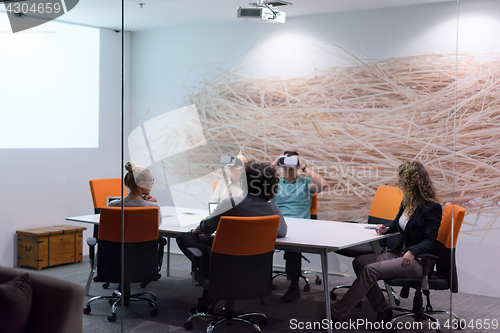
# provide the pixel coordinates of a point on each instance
(318, 280)
(444, 278)
(240, 268)
(384, 208)
(141, 254)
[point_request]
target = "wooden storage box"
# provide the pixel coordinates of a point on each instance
(45, 247)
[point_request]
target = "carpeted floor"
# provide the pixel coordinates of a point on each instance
(176, 295)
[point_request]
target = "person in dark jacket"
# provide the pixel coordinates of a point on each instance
(262, 185)
(417, 222)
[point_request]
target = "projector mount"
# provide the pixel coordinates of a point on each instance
(269, 4)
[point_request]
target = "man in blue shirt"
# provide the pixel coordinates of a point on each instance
(294, 200)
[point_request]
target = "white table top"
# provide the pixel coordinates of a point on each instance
(303, 234)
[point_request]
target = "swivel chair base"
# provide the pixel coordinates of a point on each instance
(227, 316)
(115, 301)
(307, 287)
(333, 295)
(419, 313)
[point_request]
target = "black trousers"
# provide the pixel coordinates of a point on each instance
(293, 265)
(188, 240)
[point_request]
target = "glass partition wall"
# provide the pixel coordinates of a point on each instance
(356, 93)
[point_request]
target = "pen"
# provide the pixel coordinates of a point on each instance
(373, 228)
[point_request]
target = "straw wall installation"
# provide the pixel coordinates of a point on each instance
(356, 124)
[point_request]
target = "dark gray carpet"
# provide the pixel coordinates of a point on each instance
(176, 295)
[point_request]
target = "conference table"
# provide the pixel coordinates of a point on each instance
(304, 235)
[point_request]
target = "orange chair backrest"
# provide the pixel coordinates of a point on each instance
(141, 224)
(101, 189)
(386, 202)
(451, 214)
(245, 236)
(314, 204)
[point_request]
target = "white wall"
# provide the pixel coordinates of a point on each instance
(166, 62)
(43, 186)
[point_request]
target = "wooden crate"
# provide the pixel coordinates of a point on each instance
(45, 247)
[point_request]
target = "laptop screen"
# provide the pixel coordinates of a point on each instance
(109, 199)
(212, 206)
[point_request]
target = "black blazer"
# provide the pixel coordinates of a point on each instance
(422, 229)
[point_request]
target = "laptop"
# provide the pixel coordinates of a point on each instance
(112, 198)
(211, 206)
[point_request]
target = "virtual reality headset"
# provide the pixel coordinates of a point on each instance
(288, 161)
(230, 160)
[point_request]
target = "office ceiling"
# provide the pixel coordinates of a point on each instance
(157, 14)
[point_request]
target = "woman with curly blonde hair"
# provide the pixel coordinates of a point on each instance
(416, 185)
(417, 222)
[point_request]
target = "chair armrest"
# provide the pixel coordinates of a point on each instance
(428, 261)
(195, 252)
(197, 265)
(91, 242)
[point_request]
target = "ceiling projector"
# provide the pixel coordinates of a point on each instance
(263, 11)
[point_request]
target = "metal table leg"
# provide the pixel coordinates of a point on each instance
(90, 278)
(168, 256)
(324, 266)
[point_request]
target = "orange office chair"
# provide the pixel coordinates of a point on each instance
(141, 254)
(314, 207)
(101, 189)
(318, 281)
(443, 278)
(384, 208)
(240, 267)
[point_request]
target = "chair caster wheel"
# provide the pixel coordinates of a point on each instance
(112, 317)
(398, 301)
(95, 279)
(262, 322)
(105, 285)
(318, 281)
(154, 312)
(274, 287)
(188, 325)
(333, 295)
(86, 309)
(307, 288)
